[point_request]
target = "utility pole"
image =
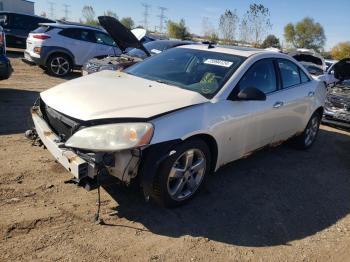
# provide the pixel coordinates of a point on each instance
(52, 10)
(66, 11)
(161, 18)
(146, 15)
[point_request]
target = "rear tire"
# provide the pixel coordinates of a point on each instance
(308, 137)
(59, 65)
(181, 176)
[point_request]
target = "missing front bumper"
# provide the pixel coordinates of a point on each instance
(73, 163)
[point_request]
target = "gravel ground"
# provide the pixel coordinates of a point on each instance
(279, 204)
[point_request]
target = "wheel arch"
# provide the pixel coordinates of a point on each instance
(213, 147)
(50, 51)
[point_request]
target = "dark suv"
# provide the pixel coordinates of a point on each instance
(17, 27)
(5, 65)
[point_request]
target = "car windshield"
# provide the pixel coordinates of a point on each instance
(201, 71)
(154, 48)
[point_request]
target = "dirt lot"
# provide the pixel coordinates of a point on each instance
(277, 205)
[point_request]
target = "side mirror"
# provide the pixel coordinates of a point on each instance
(251, 93)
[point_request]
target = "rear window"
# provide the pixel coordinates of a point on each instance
(42, 29)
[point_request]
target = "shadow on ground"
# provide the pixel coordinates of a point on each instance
(15, 110)
(271, 198)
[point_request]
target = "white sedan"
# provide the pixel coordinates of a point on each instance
(171, 120)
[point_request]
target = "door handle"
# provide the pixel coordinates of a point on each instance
(278, 104)
(311, 93)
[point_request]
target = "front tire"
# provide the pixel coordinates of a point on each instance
(181, 176)
(308, 137)
(59, 65)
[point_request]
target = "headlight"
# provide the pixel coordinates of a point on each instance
(112, 137)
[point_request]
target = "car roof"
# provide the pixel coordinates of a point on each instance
(233, 50)
(71, 25)
(19, 13)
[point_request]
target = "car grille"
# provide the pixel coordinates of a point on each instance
(62, 125)
(338, 103)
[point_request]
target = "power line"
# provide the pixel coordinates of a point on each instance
(146, 15)
(52, 10)
(162, 17)
(66, 11)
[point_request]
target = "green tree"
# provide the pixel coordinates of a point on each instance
(89, 15)
(271, 41)
(257, 21)
(341, 50)
(111, 13)
(128, 22)
(178, 30)
(228, 24)
(305, 34)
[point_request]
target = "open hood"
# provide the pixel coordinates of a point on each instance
(123, 37)
(342, 69)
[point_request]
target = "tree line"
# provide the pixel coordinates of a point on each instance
(251, 29)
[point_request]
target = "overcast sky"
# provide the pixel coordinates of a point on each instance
(333, 15)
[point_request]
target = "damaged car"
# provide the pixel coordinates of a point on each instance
(337, 106)
(5, 64)
(312, 61)
(125, 40)
(171, 120)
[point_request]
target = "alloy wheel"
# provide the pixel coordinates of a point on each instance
(60, 66)
(311, 130)
(186, 174)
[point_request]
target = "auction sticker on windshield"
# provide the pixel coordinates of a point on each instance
(218, 62)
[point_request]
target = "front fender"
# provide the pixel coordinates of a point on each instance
(152, 157)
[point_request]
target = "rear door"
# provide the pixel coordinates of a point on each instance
(295, 100)
(81, 43)
(105, 45)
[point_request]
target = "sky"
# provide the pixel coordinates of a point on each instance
(333, 15)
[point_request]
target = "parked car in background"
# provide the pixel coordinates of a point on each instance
(337, 107)
(17, 27)
(312, 61)
(329, 63)
(60, 47)
(143, 50)
(5, 65)
(176, 117)
(132, 57)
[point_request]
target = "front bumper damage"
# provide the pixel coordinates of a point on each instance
(73, 163)
(124, 165)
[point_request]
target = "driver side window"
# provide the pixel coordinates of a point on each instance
(261, 75)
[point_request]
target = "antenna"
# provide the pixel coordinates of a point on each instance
(146, 15)
(52, 10)
(66, 11)
(162, 17)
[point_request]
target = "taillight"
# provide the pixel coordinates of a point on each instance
(41, 37)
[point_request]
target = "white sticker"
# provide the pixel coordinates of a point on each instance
(218, 62)
(156, 51)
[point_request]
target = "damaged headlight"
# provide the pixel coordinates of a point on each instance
(112, 137)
